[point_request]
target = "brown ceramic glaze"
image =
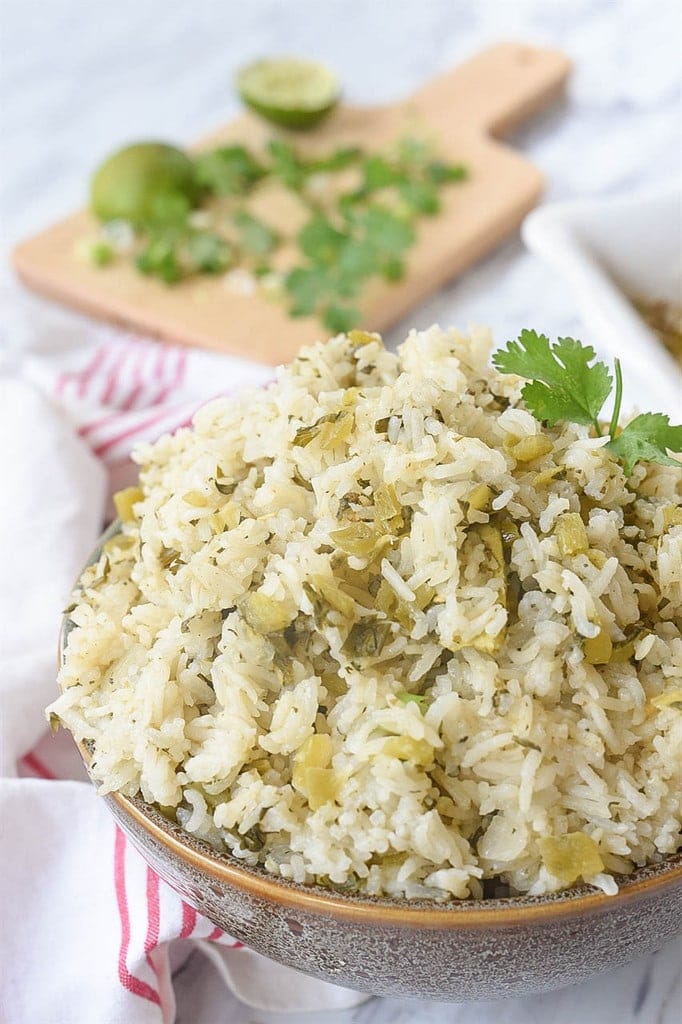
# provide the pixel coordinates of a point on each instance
(468, 949)
(465, 950)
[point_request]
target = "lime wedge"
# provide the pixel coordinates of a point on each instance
(289, 92)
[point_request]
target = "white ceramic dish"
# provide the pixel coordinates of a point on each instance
(607, 250)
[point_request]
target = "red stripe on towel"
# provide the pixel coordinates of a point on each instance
(114, 375)
(160, 365)
(102, 421)
(127, 980)
(178, 377)
(136, 428)
(138, 381)
(153, 911)
(151, 940)
(88, 373)
(139, 385)
(37, 766)
(189, 920)
(82, 376)
(62, 380)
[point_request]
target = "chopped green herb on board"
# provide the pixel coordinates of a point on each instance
(254, 235)
(229, 170)
(361, 215)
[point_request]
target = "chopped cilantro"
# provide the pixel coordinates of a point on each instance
(306, 286)
(341, 319)
(229, 170)
(255, 236)
(159, 258)
(441, 174)
(320, 241)
(386, 231)
(208, 252)
(286, 164)
(101, 254)
(357, 261)
(421, 196)
(341, 158)
(393, 268)
(348, 238)
(414, 151)
(379, 173)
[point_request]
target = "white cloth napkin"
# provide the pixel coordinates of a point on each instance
(87, 925)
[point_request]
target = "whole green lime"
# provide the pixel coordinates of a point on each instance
(140, 182)
(288, 91)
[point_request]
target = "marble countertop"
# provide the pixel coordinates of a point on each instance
(78, 78)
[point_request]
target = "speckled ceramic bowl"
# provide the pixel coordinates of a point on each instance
(470, 949)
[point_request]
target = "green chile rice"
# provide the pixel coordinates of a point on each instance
(376, 627)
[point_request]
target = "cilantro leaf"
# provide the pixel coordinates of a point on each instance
(647, 438)
(341, 318)
(286, 164)
(564, 386)
(414, 151)
(228, 170)
(320, 241)
(208, 252)
(159, 258)
(349, 204)
(357, 261)
(393, 269)
(254, 235)
(379, 173)
(441, 173)
(101, 254)
(420, 196)
(306, 286)
(341, 158)
(386, 231)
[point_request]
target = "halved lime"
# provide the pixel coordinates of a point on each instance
(289, 92)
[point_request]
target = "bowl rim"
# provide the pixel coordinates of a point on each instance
(469, 914)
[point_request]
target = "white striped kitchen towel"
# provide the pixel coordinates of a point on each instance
(87, 925)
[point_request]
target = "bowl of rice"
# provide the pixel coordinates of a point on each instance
(382, 672)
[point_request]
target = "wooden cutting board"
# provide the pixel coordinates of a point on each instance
(463, 111)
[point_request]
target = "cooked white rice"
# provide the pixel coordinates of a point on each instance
(475, 617)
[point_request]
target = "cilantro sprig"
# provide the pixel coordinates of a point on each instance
(340, 258)
(647, 438)
(567, 383)
(562, 383)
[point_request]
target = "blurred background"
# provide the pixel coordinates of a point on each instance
(79, 78)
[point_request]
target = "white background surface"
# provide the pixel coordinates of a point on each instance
(81, 76)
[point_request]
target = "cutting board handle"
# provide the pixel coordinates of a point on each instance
(495, 90)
